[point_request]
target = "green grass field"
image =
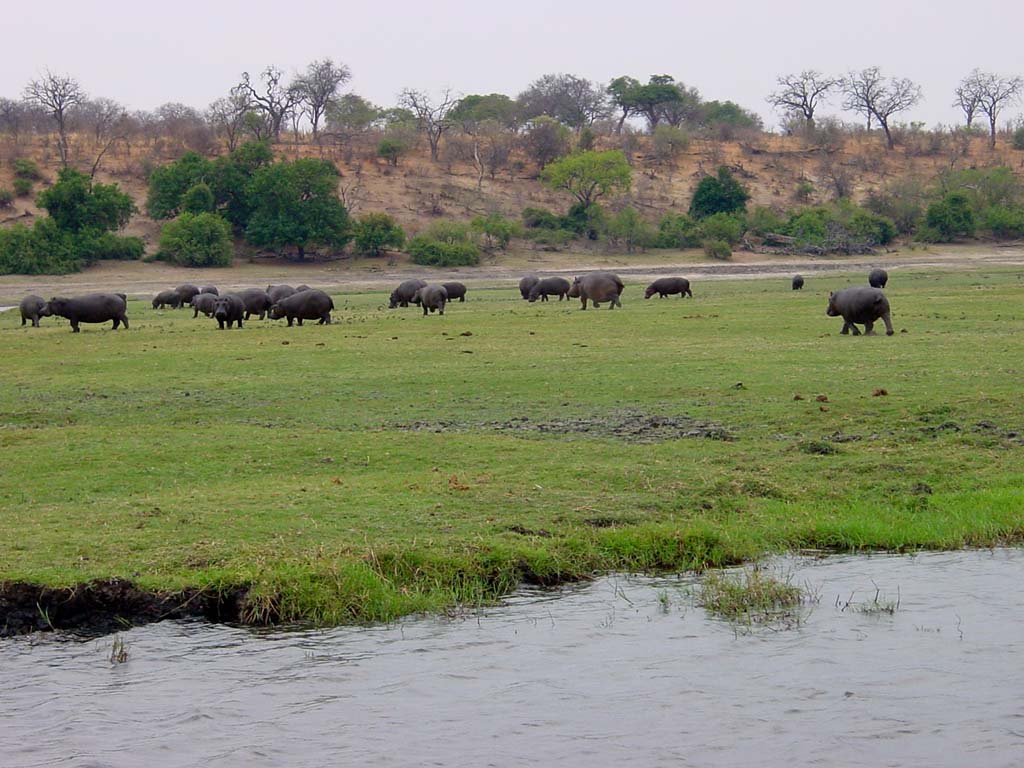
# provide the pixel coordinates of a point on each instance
(392, 463)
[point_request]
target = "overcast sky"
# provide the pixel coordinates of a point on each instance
(144, 54)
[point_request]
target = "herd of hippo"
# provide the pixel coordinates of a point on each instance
(857, 305)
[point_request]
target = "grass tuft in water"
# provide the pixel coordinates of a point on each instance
(753, 597)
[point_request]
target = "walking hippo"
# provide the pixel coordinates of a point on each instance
(549, 286)
(93, 308)
(798, 283)
(877, 278)
(431, 297)
(307, 305)
(860, 305)
(32, 308)
(597, 287)
(256, 301)
(186, 292)
(229, 309)
(666, 286)
(211, 289)
(526, 284)
(455, 291)
(203, 302)
(167, 298)
(278, 292)
(405, 292)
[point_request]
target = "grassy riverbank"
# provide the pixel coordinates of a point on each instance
(392, 463)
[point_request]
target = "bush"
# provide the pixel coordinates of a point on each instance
(677, 230)
(949, 218)
(391, 150)
(585, 220)
(435, 253)
(198, 199)
(902, 202)
(93, 247)
(22, 187)
(539, 218)
(497, 231)
(43, 249)
(873, 229)
(1004, 222)
(629, 230)
(550, 239)
(809, 226)
(27, 169)
(197, 240)
(717, 249)
(449, 232)
(718, 194)
(669, 142)
(376, 232)
(1018, 138)
(722, 226)
(6, 197)
(762, 221)
(169, 183)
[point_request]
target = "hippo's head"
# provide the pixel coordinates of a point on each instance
(534, 293)
(649, 292)
(574, 289)
(44, 310)
(393, 301)
(222, 308)
(55, 306)
(832, 311)
(276, 311)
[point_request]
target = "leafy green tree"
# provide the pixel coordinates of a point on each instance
(42, 249)
(296, 205)
(198, 199)
(197, 240)
(169, 183)
(950, 218)
(677, 230)
(391, 150)
(588, 176)
(350, 115)
(725, 227)
(231, 178)
(77, 204)
(496, 230)
(718, 194)
(494, 107)
(376, 232)
(628, 230)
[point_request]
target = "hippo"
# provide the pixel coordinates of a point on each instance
(203, 302)
(431, 297)
(32, 308)
(526, 284)
(93, 308)
(278, 292)
(301, 288)
(877, 278)
(549, 286)
(455, 291)
(186, 292)
(256, 301)
(211, 289)
(666, 286)
(404, 293)
(798, 282)
(229, 309)
(167, 298)
(597, 287)
(307, 305)
(860, 305)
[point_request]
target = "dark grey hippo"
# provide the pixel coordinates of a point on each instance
(405, 293)
(229, 309)
(526, 284)
(203, 302)
(307, 305)
(211, 289)
(860, 305)
(93, 308)
(431, 297)
(597, 287)
(32, 308)
(666, 286)
(186, 292)
(877, 278)
(798, 282)
(167, 298)
(278, 292)
(455, 291)
(256, 301)
(301, 288)
(549, 286)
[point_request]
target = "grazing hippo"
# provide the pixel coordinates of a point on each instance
(301, 288)
(404, 293)
(171, 299)
(229, 309)
(94, 308)
(455, 291)
(203, 302)
(549, 286)
(431, 297)
(278, 292)
(666, 286)
(211, 289)
(186, 292)
(256, 301)
(798, 283)
(307, 305)
(860, 305)
(32, 308)
(597, 287)
(877, 278)
(526, 284)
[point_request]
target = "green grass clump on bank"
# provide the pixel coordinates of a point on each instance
(392, 463)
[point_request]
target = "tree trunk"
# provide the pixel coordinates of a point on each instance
(992, 131)
(889, 143)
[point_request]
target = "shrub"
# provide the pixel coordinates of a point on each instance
(550, 239)
(873, 229)
(804, 191)
(717, 249)
(169, 183)
(449, 232)
(435, 253)
(949, 218)
(6, 197)
(722, 226)
(198, 199)
(376, 232)
(1018, 138)
(22, 187)
(628, 230)
(763, 220)
(902, 202)
(197, 240)
(809, 226)
(540, 218)
(497, 231)
(93, 247)
(43, 249)
(669, 142)
(391, 150)
(27, 169)
(585, 220)
(586, 140)
(1004, 222)
(718, 194)
(677, 230)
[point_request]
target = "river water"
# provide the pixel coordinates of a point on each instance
(624, 671)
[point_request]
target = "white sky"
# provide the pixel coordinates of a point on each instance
(144, 54)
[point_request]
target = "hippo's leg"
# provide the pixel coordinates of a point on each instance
(888, 324)
(23, 320)
(854, 330)
(74, 326)
(440, 310)
(584, 301)
(463, 297)
(300, 321)
(869, 328)
(117, 322)
(239, 322)
(846, 329)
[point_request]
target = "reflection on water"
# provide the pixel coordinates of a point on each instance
(623, 671)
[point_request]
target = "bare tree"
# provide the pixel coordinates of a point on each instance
(275, 100)
(573, 100)
(12, 117)
(317, 87)
(802, 94)
(58, 95)
(994, 92)
(968, 96)
(227, 117)
(870, 94)
(432, 117)
(100, 115)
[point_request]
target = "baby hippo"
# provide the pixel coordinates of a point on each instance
(307, 305)
(203, 302)
(32, 308)
(431, 297)
(860, 305)
(666, 286)
(170, 299)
